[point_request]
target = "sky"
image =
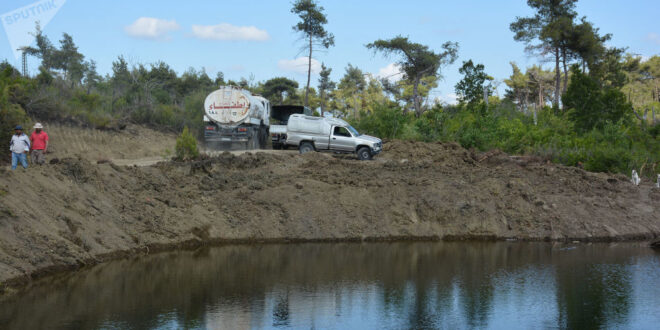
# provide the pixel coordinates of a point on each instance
(254, 39)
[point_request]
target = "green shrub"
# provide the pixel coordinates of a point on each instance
(591, 105)
(186, 146)
(385, 121)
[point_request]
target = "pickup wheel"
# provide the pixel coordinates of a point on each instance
(364, 153)
(305, 147)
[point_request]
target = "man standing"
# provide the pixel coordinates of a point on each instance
(39, 140)
(19, 146)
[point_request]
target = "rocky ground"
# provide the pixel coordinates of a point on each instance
(81, 211)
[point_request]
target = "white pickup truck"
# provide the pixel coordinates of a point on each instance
(309, 133)
(279, 116)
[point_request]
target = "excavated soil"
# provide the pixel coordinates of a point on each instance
(77, 212)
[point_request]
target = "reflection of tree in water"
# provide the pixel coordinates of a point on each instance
(477, 298)
(479, 264)
(281, 312)
(593, 296)
(422, 316)
(431, 274)
(424, 285)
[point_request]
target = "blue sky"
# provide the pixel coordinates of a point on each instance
(194, 33)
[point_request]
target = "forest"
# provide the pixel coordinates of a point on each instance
(596, 106)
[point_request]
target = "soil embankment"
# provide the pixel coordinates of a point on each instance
(133, 142)
(77, 212)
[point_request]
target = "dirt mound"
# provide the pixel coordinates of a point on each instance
(132, 142)
(437, 152)
(79, 212)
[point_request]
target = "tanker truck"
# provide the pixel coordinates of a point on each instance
(234, 116)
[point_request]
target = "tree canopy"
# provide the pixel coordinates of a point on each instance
(326, 86)
(416, 60)
(312, 28)
(471, 88)
(275, 88)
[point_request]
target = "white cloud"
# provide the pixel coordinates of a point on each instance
(391, 72)
(151, 28)
(653, 37)
(299, 65)
(449, 98)
(228, 32)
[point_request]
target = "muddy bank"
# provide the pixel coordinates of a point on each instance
(77, 212)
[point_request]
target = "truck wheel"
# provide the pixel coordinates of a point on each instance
(263, 136)
(305, 147)
(255, 141)
(364, 153)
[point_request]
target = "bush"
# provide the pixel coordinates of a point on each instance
(591, 106)
(386, 121)
(186, 146)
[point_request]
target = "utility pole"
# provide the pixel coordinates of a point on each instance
(24, 66)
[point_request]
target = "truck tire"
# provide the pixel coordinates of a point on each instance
(263, 136)
(253, 140)
(364, 153)
(305, 147)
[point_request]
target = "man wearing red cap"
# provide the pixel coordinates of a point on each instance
(39, 140)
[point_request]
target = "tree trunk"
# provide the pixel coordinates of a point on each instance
(563, 89)
(309, 72)
(322, 105)
(541, 101)
(557, 77)
(418, 111)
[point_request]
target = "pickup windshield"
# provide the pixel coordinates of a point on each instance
(353, 130)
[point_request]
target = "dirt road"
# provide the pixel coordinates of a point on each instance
(78, 212)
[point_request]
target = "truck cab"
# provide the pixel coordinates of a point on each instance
(309, 133)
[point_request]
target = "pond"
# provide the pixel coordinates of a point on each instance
(453, 285)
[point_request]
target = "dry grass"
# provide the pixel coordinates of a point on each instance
(132, 143)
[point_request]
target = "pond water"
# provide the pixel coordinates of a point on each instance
(452, 285)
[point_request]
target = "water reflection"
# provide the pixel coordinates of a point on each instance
(352, 285)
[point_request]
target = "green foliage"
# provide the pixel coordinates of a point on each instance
(275, 88)
(311, 27)
(312, 21)
(597, 132)
(592, 106)
(386, 121)
(471, 88)
(14, 91)
(616, 147)
(417, 61)
(186, 146)
(326, 86)
(69, 89)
